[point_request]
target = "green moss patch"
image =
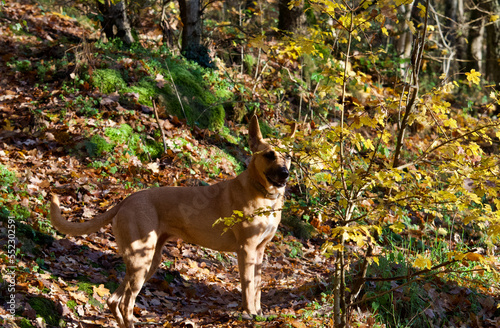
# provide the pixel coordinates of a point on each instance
(130, 142)
(199, 104)
(108, 80)
(186, 90)
(45, 309)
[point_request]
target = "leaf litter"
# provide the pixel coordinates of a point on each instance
(194, 286)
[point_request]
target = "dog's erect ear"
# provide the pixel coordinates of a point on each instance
(254, 134)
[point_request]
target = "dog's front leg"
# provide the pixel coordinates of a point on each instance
(258, 276)
(247, 258)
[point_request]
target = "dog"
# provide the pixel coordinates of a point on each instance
(144, 221)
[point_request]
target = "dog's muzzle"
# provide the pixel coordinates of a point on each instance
(278, 177)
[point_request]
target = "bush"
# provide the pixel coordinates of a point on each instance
(7, 177)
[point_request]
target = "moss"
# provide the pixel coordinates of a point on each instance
(146, 88)
(124, 134)
(25, 323)
(151, 148)
(199, 105)
(300, 228)
(108, 80)
(71, 304)
(45, 309)
(137, 145)
(267, 130)
(97, 146)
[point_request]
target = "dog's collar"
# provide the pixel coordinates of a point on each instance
(263, 190)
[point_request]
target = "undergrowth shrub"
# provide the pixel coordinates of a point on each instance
(7, 177)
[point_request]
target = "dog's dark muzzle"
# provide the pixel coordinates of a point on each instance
(278, 177)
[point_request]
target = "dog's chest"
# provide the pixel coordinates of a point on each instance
(270, 224)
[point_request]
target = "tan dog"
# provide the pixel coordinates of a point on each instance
(145, 220)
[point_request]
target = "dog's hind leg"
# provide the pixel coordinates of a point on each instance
(156, 257)
(141, 261)
(113, 302)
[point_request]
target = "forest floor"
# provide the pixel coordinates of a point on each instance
(44, 140)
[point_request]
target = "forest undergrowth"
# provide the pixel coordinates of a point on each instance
(410, 240)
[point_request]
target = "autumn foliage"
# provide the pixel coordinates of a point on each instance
(392, 215)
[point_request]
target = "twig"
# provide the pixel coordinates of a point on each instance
(417, 62)
(383, 293)
(165, 147)
(431, 150)
(176, 92)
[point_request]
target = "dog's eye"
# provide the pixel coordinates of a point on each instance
(270, 155)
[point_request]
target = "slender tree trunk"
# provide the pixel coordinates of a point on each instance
(492, 65)
(166, 29)
(455, 33)
(475, 41)
(404, 43)
(116, 23)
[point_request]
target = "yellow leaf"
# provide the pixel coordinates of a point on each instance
(412, 27)
(258, 42)
(422, 263)
(79, 297)
(475, 257)
(422, 10)
(7, 126)
(494, 18)
(442, 231)
(473, 76)
(397, 227)
(384, 30)
(450, 123)
(101, 290)
(337, 247)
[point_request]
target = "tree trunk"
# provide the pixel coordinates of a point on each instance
(191, 47)
(475, 41)
(190, 17)
(456, 32)
(492, 65)
(116, 23)
(404, 43)
(290, 20)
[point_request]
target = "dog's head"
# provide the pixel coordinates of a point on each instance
(270, 166)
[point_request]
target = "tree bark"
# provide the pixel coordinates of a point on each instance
(116, 23)
(190, 17)
(492, 65)
(456, 32)
(290, 20)
(404, 43)
(475, 41)
(191, 47)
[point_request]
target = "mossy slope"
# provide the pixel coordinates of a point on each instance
(200, 106)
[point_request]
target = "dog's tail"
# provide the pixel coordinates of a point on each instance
(78, 228)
